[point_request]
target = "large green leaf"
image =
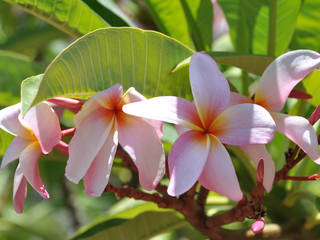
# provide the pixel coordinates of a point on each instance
(129, 56)
(13, 69)
(253, 24)
(142, 227)
(71, 16)
(307, 34)
(170, 19)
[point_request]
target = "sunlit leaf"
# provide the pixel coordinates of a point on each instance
(307, 33)
(129, 56)
(249, 22)
(71, 16)
(5, 140)
(170, 19)
(199, 15)
(312, 85)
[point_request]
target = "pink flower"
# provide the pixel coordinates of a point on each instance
(38, 132)
(271, 92)
(100, 125)
(199, 154)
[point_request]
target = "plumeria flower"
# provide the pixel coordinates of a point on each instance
(206, 124)
(271, 92)
(100, 125)
(38, 132)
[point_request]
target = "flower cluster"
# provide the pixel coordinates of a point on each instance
(215, 118)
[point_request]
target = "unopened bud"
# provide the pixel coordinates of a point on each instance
(260, 171)
(258, 225)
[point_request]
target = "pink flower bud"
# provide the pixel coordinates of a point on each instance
(258, 225)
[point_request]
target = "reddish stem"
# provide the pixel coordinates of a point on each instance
(72, 104)
(62, 147)
(67, 132)
(308, 178)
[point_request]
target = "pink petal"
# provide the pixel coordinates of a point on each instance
(9, 121)
(300, 131)
(169, 109)
(282, 75)
(142, 143)
(87, 141)
(87, 109)
(97, 176)
(20, 189)
(29, 166)
(110, 97)
(132, 96)
(237, 98)
(186, 160)
(255, 153)
(244, 124)
(210, 89)
(218, 173)
(16, 147)
(45, 125)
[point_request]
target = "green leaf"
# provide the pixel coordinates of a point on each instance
(199, 14)
(170, 19)
(144, 226)
(29, 90)
(312, 85)
(5, 140)
(129, 56)
(13, 69)
(71, 16)
(307, 34)
(29, 39)
(128, 212)
(317, 203)
(255, 64)
(254, 23)
(109, 11)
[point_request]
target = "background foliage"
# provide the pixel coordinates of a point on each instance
(33, 33)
